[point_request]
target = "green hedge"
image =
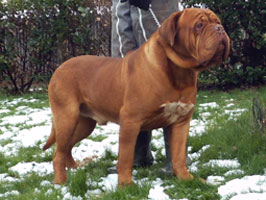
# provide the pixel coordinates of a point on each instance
(38, 35)
(244, 21)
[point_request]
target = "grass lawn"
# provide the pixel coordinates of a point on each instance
(225, 145)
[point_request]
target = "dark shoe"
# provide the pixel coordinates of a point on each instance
(167, 169)
(112, 170)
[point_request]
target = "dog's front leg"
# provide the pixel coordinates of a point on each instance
(129, 130)
(178, 139)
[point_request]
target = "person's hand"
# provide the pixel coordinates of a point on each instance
(142, 4)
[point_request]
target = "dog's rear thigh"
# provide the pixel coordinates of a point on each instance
(65, 125)
(84, 129)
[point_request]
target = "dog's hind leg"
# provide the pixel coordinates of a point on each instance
(65, 123)
(84, 128)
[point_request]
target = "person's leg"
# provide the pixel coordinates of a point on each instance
(143, 156)
(144, 25)
(168, 167)
(123, 39)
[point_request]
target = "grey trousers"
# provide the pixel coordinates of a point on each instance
(131, 26)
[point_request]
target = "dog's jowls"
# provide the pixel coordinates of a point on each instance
(153, 86)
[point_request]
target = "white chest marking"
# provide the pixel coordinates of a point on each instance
(174, 110)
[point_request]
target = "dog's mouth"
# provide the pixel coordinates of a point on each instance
(224, 48)
(219, 56)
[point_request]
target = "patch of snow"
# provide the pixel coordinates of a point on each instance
(93, 192)
(223, 163)
(110, 182)
(41, 169)
(157, 139)
(229, 100)
(4, 111)
(68, 196)
(209, 105)
(197, 127)
(10, 149)
(205, 114)
(215, 180)
(49, 192)
(234, 172)
(45, 183)
(6, 134)
(250, 196)
(248, 187)
(7, 178)
(193, 167)
(196, 155)
(157, 191)
(230, 105)
(234, 113)
(13, 192)
(30, 137)
(14, 119)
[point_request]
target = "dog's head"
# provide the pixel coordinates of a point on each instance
(197, 38)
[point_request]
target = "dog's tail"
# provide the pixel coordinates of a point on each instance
(51, 139)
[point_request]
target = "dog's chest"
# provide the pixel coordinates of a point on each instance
(172, 111)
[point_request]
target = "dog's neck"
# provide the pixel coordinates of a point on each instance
(180, 77)
(177, 59)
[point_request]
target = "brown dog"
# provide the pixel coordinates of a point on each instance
(152, 87)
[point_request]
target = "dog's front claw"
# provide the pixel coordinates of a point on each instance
(183, 174)
(60, 176)
(122, 184)
(124, 179)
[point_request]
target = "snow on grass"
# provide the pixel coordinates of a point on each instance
(209, 105)
(215, 180)
(248, 187)
(157, 191)
(13, 192)
(223, 164)
(109, 182)
(197, 127)
(234, 172)
(6, 177)
(41, 169)
(39, 126)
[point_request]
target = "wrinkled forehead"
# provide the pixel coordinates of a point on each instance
(197, 14)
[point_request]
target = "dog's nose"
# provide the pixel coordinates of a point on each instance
(219, 28)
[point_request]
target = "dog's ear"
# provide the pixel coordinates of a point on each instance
(168, 30)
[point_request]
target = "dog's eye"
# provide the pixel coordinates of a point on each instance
(199, 26)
